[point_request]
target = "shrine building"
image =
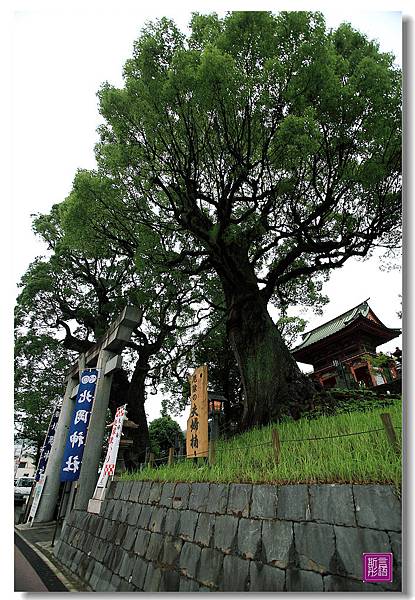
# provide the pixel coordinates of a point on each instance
(340, 350)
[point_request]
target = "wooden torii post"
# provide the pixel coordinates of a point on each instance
(104, 356)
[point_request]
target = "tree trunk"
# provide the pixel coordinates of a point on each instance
(273, 384)
(136, 398)
(133, 394)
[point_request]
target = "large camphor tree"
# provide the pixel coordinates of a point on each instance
(273, 147)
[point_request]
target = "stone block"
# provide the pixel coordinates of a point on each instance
(332, 503)
(204, 529)
(264, 501)
(172, 547)
(145, 492)
(116, 511)
(95, 575)
(153, 577)
(188, 585)
(378, 507)
(129, 538)
(218, 498)
(135, 491)
(264, 578)
(83, 566)
(108, 556)
(104, 580)
(293, 503)
(110, 491)
(109, 506)
(89, 570)
(95, 551)
(92, 524)
(57, 548)
(351, 542)
(125, 509)
(82, 519)
(187, 525)
(76, 559)
(154, 546)
(249, 537)
(112, 531)
(145, 516)
(239, 499)
(169, 581)
(69, 534)
(121, 531)
(116, 560)
(224, 537)
(125, 586)
(141, 542)
(167, 494)
(139, 572)
(99, 527)
(210, 567)
(126, 489)
(235, 574)
(118, 489)
(106, 524)
(101, 550)
(199, 495)
(314, 545)
(134, 510)
(171, 522)
(277, 542)
(157, 519)
(155, 492)
(303, 581)
(189, 559)
(333, 583)
(181, 495)
(396, 545)
(114, 584)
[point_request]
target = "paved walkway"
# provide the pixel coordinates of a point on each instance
(26, 578)
(34, 548)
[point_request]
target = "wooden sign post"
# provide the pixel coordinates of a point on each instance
(197, 437)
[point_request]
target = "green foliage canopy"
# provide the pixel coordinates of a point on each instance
(164, 433)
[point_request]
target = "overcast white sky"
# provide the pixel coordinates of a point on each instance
(60, 56)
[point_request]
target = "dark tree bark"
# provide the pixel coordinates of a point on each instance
(273, 384)
(272, 381)
(133, 394)
(136, 398)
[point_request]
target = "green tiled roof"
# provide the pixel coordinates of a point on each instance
(333, 326)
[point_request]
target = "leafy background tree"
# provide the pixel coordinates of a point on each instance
(72, 296)
(40, 362)
(164, 433)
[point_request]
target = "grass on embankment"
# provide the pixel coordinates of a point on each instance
(366, 458)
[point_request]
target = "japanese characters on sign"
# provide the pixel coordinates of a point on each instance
(197, 442)
(74, 449)
(47, 444)
(108, 467)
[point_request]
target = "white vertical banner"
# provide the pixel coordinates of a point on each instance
(108, 468)
(36, 498)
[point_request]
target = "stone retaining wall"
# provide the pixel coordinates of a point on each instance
(153, 536)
